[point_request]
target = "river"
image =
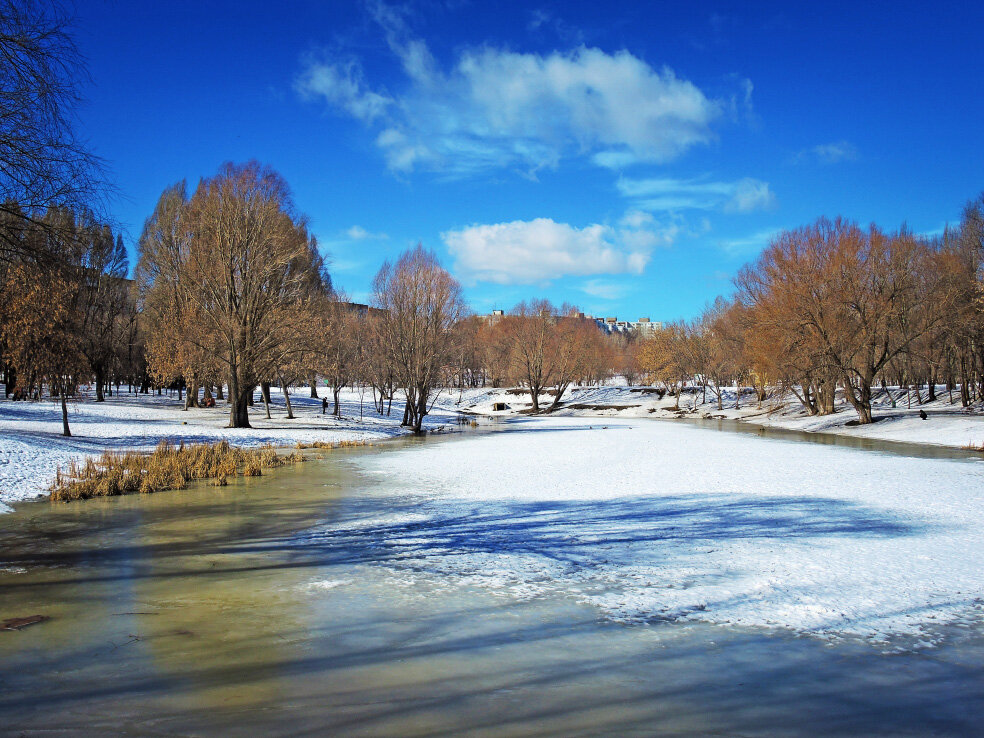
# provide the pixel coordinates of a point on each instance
(293, 604)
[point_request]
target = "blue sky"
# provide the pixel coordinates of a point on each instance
(627, 158)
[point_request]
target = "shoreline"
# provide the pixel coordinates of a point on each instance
(946, 426)
(32, 448)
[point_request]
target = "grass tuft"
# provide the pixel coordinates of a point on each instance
(167, 467)
(329, 445)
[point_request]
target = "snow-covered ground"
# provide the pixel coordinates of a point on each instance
(946, 424)
(656, 521)
(32, 447)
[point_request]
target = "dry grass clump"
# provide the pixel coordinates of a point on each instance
(167, 467)
(329, 445)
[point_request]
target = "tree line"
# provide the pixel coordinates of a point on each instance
(833, 307)
(230, 294)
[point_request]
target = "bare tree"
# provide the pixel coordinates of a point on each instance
(42, 161)
(575, 344)
(420, 304)
(339, 356)
(531, 327)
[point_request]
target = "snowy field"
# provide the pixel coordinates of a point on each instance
(32, 447)
(652, 521)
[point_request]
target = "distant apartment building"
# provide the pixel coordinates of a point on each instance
(644, 326)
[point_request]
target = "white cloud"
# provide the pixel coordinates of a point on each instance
(828, 153)
(497, 108)
(750, 195)
(342, 86)
(358, 233)
(665, 193)
(524, 252)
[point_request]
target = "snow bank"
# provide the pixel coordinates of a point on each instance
(32, 447)
(946, 424)
(651, 521)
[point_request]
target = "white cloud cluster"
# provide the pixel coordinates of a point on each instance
(666, 193)
(531, 251)
(498, 108)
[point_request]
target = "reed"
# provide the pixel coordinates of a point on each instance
(329, 445)
(167, 467)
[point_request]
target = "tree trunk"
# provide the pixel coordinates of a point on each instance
(239, 406)
(561, 389)
(191, 399)
(265, 394)
(290, 410)
(64, 409)
(100, 378)
(964, 381)
(421, 410)
(535, 396)
(314, 388)
(218, 392)
(860, 398)
(335, 392)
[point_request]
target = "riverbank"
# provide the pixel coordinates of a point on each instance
(32, 447)
(946, 423)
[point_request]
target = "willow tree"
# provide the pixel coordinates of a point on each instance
(848, 301)
(235, 275)
(421, 303)
(170, 320)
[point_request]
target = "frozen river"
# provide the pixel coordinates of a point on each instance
(562, 577)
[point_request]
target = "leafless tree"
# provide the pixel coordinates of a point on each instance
(43, 163)
(420, 304)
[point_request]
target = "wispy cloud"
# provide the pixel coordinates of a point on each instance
(666, 193)
(749, 245)
(358, 233)
(497, 108)
(828, 153)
